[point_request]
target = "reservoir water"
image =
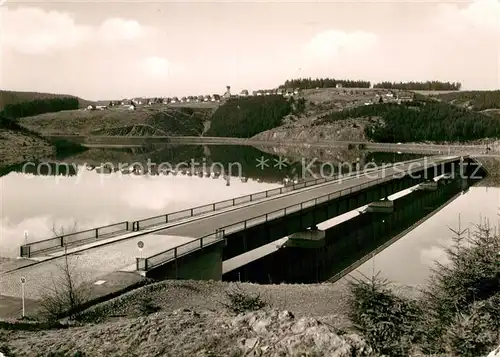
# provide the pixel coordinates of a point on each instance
(42, 199)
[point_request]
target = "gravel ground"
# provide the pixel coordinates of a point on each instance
(312, 300)
(188, 318)
(303, 300)
(190, 333)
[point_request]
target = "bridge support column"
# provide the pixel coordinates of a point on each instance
(383, 206)
(204, 264)
(311, 238)
(428, 186)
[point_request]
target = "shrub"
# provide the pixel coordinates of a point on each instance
(458, 313)
(472, 334)
(241, 301)
(389, 322)
(146, 306)
(472, 277)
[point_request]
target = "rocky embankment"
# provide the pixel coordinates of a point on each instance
(191, 333)
(16, 147)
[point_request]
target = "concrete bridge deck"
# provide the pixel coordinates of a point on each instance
(120, 255)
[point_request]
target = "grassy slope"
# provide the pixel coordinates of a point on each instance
(154, 120)
(14, 97)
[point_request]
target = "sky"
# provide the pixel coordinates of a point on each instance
(102, 50)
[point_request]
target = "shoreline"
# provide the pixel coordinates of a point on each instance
(139, 141)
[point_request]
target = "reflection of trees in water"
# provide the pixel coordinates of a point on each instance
(229, 159)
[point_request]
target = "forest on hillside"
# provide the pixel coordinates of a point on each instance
(40, 106)
(479, 100)
(309, 83)
(428, 85)
(15, 97)
(421, 121)
(246, 117)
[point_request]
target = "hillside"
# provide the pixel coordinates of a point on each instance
(19, 146)
(144, 121)
(476, 100)
(320, 103)
(15, 97)
(420, 120)
(325, 114)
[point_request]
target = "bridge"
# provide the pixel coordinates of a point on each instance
(194, 243)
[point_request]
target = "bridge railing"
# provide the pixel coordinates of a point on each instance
(81, 237)
(212, 207)
(104, 232)
(248, 223)
(144, 264)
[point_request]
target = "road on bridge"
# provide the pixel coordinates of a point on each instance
(92, 263)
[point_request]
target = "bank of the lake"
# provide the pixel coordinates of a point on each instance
(18, 144)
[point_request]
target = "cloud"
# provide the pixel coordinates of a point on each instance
(38, 228)
(429, 256)
(482, 15)
(116, 28)
(333, 42)
(157, 66)
(31, 30)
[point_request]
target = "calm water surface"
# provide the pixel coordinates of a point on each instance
(410, 259)
(40, 203)
(37, 203)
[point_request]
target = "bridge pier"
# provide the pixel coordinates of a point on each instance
(312, 238)
(382, 206)
(428, 186)
(203, 264)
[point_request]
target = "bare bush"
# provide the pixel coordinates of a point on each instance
(241, 301)
(146, 306)
(64, 296)
(64, 230)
